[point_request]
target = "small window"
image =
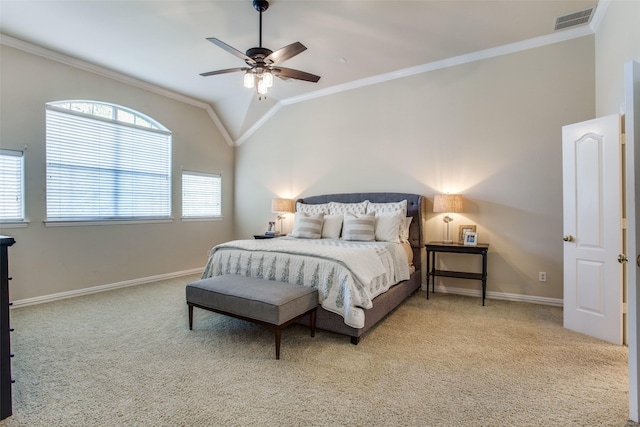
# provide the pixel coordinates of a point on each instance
(201, 195)
(106, 162)
(11, 186)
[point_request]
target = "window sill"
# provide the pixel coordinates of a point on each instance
(14, 224)
(210, 218)
(74, 223)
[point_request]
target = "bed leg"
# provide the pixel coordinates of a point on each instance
(355, 340)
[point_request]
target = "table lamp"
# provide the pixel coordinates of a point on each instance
(281, 207)
(447, 203)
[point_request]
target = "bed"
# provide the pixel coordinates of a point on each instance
(359, 282)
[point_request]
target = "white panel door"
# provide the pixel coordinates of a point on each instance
(632, 129)
(592, 219)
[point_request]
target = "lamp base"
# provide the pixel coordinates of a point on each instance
(447, 242)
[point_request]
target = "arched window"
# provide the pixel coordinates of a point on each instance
(106, 162)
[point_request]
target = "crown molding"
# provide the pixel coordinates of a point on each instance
(598, 15)
(122, 78)
(549, 39)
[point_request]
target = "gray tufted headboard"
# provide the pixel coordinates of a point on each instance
(415, 209)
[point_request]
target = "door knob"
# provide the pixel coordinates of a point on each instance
(638, 261)
(568, 238)
(622, 258)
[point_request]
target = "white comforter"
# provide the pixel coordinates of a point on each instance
(348, 275)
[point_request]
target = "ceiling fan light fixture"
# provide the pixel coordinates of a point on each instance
(249, 80)
(267, 77)
(262, 87)
(260, 60)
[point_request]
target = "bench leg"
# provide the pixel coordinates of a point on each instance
(313, 322)
(190, 316)
(278, 330)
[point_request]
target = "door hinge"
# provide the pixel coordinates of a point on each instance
(624, 223)
(624, 308)
(623, 138)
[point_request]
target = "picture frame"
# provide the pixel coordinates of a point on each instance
(471, 238)
(465, 229)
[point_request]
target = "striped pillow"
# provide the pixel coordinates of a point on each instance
(307, 226)
(359, 227)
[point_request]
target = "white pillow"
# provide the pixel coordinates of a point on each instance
(388, 227)
(307, 226)
(388, 208)
(353, 208)
(404, 229)
(312, 209)
(332, 226)
(359, 227)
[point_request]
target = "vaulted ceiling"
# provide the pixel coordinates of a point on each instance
(349, 43)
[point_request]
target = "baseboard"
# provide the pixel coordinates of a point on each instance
(102, 288)
(94, 289)
(556, 302)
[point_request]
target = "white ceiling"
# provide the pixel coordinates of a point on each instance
(163, 42)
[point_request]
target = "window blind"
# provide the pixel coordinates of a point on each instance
(201, 195)
(11, 185)
(99, 169)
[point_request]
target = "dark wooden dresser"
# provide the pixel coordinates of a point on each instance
(5, 329)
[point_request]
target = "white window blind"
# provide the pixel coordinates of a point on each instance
(11, 185)
(99, 168)
(201, 195)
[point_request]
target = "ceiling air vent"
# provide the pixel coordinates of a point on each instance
(573, 19)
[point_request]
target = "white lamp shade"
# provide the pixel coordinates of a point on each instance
(279, 205)
(447, 203)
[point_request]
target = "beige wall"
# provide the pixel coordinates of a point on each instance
(51, 260)
(490, 130)
(617, 42)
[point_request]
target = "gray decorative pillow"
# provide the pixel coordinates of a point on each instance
(307, 226)
(359, 227)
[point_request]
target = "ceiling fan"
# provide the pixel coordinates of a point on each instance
(262, 63)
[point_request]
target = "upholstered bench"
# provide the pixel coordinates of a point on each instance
(265, 302)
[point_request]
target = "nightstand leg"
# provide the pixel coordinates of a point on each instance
(484, 276)
(428, 271)
(433, 276)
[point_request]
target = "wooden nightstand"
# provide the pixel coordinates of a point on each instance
(457, 248)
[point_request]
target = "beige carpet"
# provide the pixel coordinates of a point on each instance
(127, 358)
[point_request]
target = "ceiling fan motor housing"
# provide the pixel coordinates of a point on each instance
(258, 53)
(260, 5)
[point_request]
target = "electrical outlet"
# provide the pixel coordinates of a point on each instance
(542, 276)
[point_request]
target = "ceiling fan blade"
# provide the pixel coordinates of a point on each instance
(285, 53)
(225, 71)
(231, 50)
(294, 74)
